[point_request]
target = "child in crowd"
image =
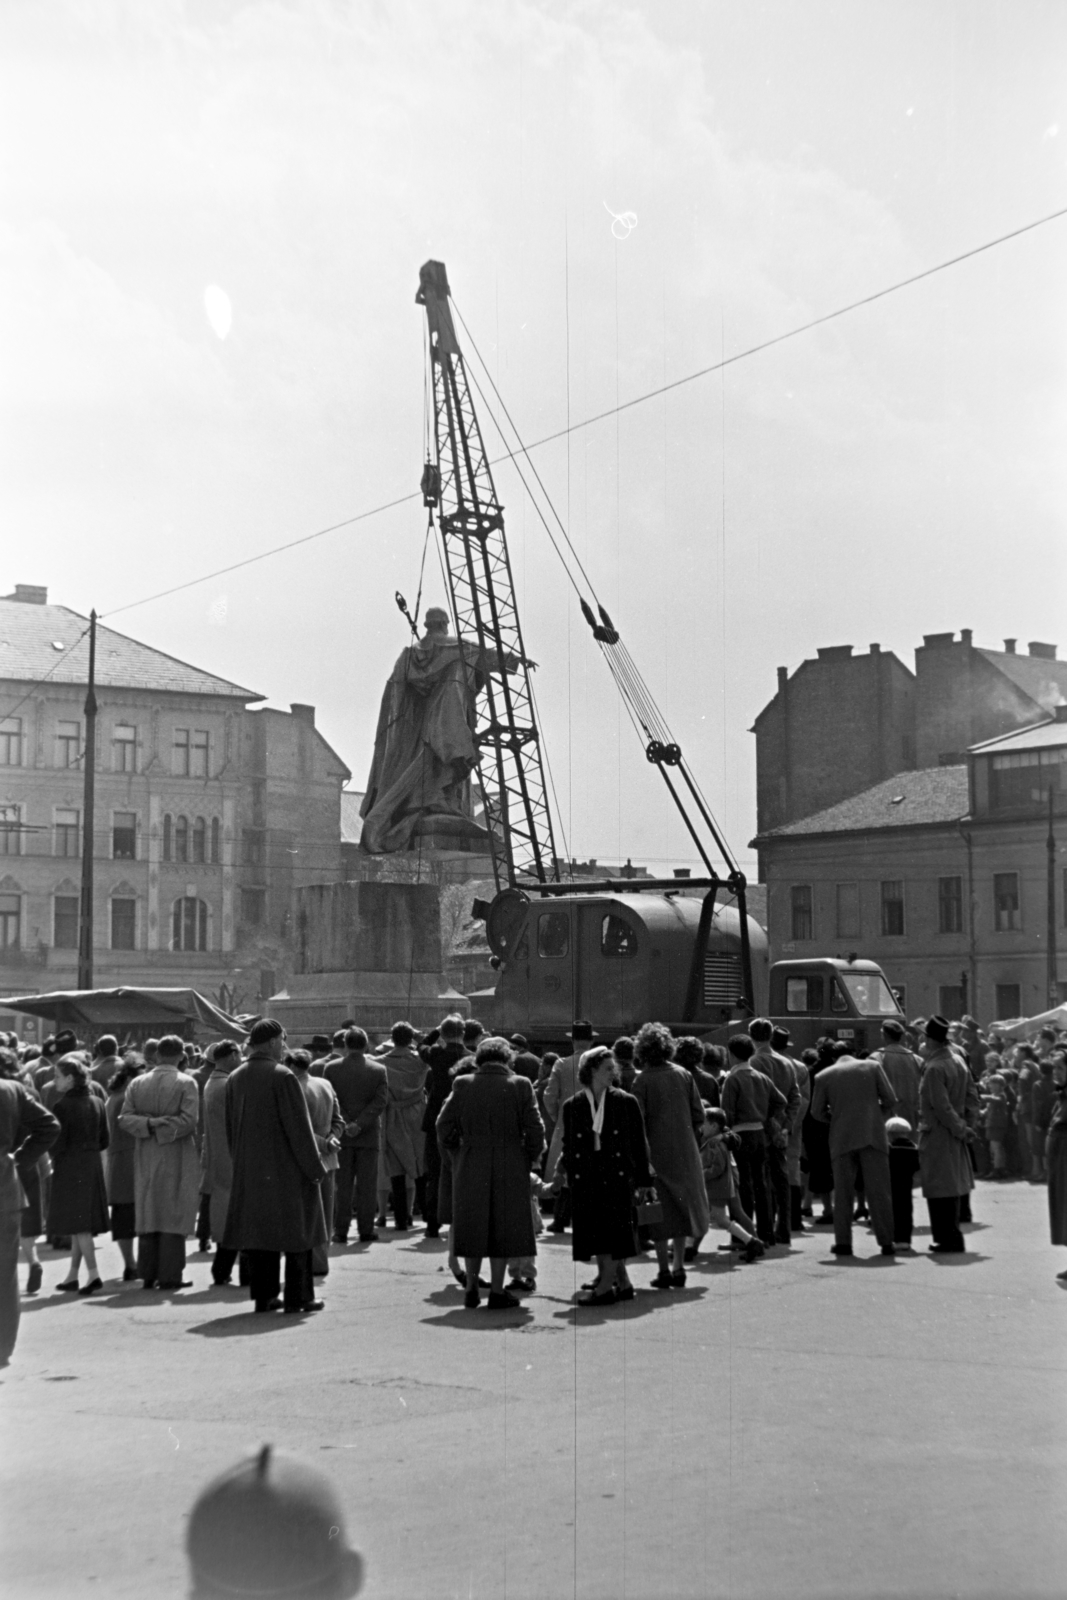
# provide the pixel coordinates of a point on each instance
(996, 1120)
(720, 1180)
(903, 1168)
(523, 1269)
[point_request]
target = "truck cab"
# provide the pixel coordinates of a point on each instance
(846, 1000)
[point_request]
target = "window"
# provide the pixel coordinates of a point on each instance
(190, 924)
(1024, 779)
(253, 907)
(900, 995)
(802, 919)
(199, 840)
(124, 836)
(168, 838)
(950, 1001)
(10, 831)
(180, 757)
(216, 841)
(1006, 903)
(68, 744)
(123, 748)
(11, 742)
(949, 908)
(252, 847)
(617, 939)
(892, 908)
(198, 762)
(10, 918)
(68, 833)
(553, 934)
(1008, 1002)
(123, 924)
(869, 993)
(803, 994)
(848, 911)
(66, 919)
(181, 839)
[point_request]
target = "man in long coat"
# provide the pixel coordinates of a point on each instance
(161, 1110)
(855, 1097)
(216, 1166)
(328, 1125)
(27, 1130)
(944, 1164)
(275, 1206)
(902, 1069)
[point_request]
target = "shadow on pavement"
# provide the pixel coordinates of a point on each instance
(243, 1324)
(878, 1260)
(645, 1303)
(959, 1258)
(482, 1318)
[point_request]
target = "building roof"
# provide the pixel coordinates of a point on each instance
(909, 800)
(1039, 736)
(52, 642)
(1044, 680)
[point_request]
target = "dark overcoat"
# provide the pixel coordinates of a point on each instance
(674, 1121)
(274, 1198)
(492, 1127)
(78, 1203)
(946, 1094)
(602, 1182)
(1056, 1161)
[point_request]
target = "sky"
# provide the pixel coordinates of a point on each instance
(213, 217)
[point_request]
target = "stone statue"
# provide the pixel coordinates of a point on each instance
(424, 749)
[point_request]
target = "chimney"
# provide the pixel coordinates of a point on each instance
(965, 636)
(1044, 652)
(876, 649)
(934, 641)
(303, 713)
(29, 594)
(1009, 647)
(1060, 713)
(783, 677)
(683, 872)
(835, 652)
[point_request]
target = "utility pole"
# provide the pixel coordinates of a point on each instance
(85, 925)
(1050, 953)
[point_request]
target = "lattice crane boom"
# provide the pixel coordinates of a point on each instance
(459, 482)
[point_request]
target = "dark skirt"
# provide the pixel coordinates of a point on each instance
(819, 1167)
(123, 1219)
(603, 1221)
(32, 1225)
(1056, 1157)
(79, 1195)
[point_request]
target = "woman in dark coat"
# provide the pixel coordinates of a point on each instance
(120, 1162)
(816, 1139)
(78, 1205)
(605, 1161)
(1056, 1156)
(674, 1122)
(30, 1176)
(492, 1127)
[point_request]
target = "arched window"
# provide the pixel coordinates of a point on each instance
(199, 840)
(181, 839)
(190, 924)
(216, 841)
(168, 838)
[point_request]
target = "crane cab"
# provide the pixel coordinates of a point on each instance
(614, 958)
(829, 997)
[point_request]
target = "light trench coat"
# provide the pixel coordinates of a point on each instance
(166, 1167)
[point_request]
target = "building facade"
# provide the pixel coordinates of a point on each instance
(207, 812)
(947, 876)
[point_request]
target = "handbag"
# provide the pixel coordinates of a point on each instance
(649, 1212)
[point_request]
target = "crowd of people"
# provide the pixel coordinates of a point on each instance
(267, 1154)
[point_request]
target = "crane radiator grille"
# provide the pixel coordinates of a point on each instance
(722, 979)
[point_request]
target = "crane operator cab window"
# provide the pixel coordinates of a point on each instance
(618, 941)
(803, 994)
(553, 934)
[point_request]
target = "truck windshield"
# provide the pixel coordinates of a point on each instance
(870, 994)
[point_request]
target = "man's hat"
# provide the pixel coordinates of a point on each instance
(65, 1041)
(271, 1526)
(518, 1040)
(582, 1033)
(893, 1029)
(937, 1030)
(319, 1041)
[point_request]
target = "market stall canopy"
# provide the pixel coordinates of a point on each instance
(1026, 1027)
(130, 1008)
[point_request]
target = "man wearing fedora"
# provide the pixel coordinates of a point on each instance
(562, 1086)
(946, 1096)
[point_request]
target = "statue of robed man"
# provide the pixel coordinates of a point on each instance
(424, 749)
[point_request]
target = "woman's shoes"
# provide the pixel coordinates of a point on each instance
(662, 1280)
(522, 1286)
(70, 1287)
(625, 1291)
(678, 1278)
(92, 1286)
(130, 1275)
(461, 1279)
(501, 1300)
(753, 1250)
(472, 1299)
(593, 1298)
(33, 1282)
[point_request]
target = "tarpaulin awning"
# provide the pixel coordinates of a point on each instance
(129, 1008)
(1026, 1027)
